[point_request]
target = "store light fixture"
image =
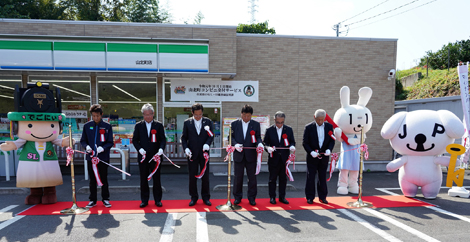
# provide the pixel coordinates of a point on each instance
(70, 90)
(7, 97)
(6, 87)
(126, 93)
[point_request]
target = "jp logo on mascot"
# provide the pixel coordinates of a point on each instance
(351, 120)
(37, 122)
(421, 136)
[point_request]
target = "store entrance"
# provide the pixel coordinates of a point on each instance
(174, 118)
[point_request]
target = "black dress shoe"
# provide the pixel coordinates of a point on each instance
(207, 202)
(192, 203)
(323, 201)
(237, 201)
(143, 205)
(310, 201)
(252, 202)
(283, 200)
(159, 204)
(272, 200)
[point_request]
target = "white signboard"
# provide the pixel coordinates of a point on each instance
(75, 113)
(210, 90)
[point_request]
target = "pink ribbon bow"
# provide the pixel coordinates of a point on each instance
(69, 152)
(290, 159)
(364, 149)
(259, 151)
(334, 158)
(156, 158)
(230, 149)
(206, 157)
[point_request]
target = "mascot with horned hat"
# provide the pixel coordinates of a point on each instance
(37, 120)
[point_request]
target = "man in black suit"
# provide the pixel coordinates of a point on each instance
(196, 139)
(245, 133)
(149, 139)
(278, 136)
(318, 144)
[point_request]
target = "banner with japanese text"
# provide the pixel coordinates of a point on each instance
(210, 90)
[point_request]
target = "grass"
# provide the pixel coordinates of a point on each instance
(439, 83)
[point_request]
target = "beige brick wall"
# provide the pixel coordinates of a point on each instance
(300, 75)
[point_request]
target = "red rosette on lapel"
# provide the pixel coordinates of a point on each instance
(253, 139)
(209, 132)
(102, 132)
(153, 132)
(286, 142)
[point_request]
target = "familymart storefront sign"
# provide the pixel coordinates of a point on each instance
(99, 56)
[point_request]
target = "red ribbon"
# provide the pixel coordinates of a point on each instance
(156, 158)
(334, 158)
(343, 135)
(209, 132)
(143, 158)
(230, 149)
(286, 142)
(206, 157)
(154, 137)
(69, 152)
(330, 133)
(259, 150)
(364, 148)
(253, 139)
(290, 159)
(102, 131)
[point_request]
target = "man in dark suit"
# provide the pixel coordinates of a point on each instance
(318, 144)
(278, 136)
(246, 133)
(97, 137)
(196, 139)
(149, 139)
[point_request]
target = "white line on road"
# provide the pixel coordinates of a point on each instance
(8, 208)
(449, 213)
(386, 190)
(400, 225)
(202, 234)
(374, 229)
(10, 221)
(169, 228)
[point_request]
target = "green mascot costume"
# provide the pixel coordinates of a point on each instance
(37, 121)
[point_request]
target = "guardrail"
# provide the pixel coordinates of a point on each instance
(7, 165)
(123, 163)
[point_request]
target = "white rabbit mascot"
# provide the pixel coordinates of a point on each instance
(421, 136)
(351, 119)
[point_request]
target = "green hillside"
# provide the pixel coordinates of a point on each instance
(439, 83)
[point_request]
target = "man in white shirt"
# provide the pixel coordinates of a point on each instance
(318, 144)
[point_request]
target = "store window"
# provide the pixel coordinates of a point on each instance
(7, 89)
(174, 115)
(122, 100)
(76, 101)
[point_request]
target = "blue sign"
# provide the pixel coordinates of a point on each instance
(125, 142)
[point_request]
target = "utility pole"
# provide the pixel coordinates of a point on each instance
(253, 10)
(336, 27)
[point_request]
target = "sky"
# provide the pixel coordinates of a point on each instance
(419, 29)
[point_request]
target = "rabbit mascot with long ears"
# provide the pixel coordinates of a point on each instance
(37, 122)
(421, 136)
(351, 120)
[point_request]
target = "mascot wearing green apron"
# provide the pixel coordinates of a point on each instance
(37, 122)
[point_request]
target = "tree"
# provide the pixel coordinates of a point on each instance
(458, 51)
(259, 28)
(145, 11)
(31, 9)
(199, 17)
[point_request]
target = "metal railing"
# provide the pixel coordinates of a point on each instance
(123, 163)
(7, 165)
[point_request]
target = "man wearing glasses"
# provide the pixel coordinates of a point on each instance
(278, 141)
(196, 140)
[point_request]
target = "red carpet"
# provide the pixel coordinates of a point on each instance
(262, 204)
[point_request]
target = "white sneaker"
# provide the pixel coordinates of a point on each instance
(106, 203)
(91, 204)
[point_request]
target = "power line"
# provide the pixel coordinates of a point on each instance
(382, 13)
(395, 14)
(364, 11)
